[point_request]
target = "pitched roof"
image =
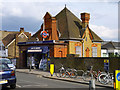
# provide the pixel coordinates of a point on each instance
(11, 36)
(95, 36)
(8, 39)
(36, 35)
(116, 44)
(108, 45)
(70, 26)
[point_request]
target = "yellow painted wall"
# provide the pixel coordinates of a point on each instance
(71, 49)
(87, 43)
(72, 45)
(98, 49)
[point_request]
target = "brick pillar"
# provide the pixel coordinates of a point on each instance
(54, 29)
(50, 26)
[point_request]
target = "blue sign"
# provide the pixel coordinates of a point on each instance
(106, 65)
(38, 49)
(118, 76)
(36, 42)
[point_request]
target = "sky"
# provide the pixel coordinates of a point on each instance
(29, 14)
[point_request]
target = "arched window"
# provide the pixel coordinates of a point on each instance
(94, 51)
(78, 50)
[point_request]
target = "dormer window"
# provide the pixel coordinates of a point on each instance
(37, 39)
(22, 36)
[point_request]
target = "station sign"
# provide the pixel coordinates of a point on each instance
(106, 65)
(44, 34)
(36, 42)
(38, 49)
(34, 49)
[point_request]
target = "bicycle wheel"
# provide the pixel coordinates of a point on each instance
(73, 74)
(57, 73)
(103, 78)
(60, 73)
(87, 76)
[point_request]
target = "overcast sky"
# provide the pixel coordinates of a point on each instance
(29, 14)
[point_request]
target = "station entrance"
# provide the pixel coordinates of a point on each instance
(37, 57)
(38, 53)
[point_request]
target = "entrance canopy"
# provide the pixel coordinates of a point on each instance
(38, 49)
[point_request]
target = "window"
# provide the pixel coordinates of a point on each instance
(104, 54)
(2, 48)
(94, 51)
(78, 50)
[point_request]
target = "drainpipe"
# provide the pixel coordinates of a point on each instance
(82, 48)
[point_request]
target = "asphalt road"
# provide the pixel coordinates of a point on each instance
(32, 82)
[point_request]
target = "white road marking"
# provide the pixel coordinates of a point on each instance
(18, 86)
(35, 85)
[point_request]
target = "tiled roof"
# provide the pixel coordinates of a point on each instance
(108, 45)
(71, 27)
(8, 39)
(68, 24)
(11, 36)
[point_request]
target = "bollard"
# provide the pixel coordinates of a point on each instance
(92, 84)
(51, 69)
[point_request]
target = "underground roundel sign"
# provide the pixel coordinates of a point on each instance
(44, 34)
(118, 76)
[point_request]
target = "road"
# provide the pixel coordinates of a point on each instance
(34, 81)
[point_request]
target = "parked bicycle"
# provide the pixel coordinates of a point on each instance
(106, 78)
(89, 74)
(72, 73)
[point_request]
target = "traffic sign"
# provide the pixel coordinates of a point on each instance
(106, 61)
(117, 80)
(118, 76)
(106, 65)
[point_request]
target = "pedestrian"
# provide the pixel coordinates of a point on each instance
(33, 62)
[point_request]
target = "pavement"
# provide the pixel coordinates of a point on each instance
(46, 74)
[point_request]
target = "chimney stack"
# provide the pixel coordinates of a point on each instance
(21, 30)
(85, 17)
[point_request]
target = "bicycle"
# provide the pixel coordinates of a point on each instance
(90, 74)
(106, 78)
(72, 73)
(60, 72)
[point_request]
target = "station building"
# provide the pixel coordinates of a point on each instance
(60, 36)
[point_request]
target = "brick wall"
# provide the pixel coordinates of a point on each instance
(60, 51)
(82, 63)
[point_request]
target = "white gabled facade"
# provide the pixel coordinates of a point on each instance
(3, 50)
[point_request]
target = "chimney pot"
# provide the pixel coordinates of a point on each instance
(21, 29)
(85, 17)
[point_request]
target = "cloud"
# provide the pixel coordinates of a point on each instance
(16, 12)
(105, 33)
(60, 0)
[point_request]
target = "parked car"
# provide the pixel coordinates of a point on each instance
(8, 62)
(7, 76)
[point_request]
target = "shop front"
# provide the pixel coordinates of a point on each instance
(38, 53)
(37, 57)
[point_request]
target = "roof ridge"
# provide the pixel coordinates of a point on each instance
(67, 21)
